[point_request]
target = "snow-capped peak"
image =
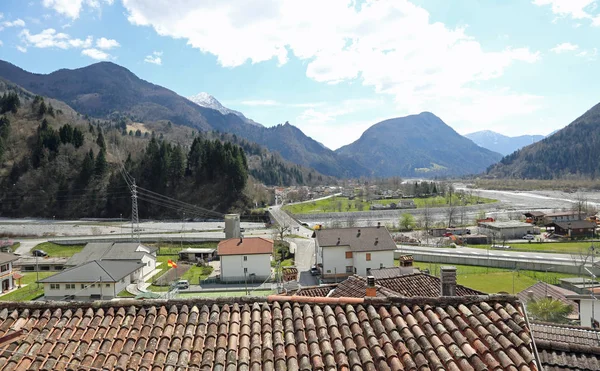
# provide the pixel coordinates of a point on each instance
(206, 100)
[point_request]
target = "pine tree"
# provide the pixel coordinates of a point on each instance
(87, 169)
(42, 109)
(100, 139)
(66, 134)
(78, 138)
(101, 165)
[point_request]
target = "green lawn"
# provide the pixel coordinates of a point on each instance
(343, 204)
(494, 280)
(546, 247)
(55, 250)
(225, 294)
(29, 292)
(125, 294)
(195, 274)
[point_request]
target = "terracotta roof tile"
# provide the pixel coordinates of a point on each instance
(255, 334)
(245, 246)
(565, 347)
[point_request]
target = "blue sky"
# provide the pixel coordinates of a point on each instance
(334, 68)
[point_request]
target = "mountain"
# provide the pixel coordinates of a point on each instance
(206, 100)
(570, 152)
(417, 145)
(105, 90)
(501, 143)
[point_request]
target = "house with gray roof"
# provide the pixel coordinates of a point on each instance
(127, 251)
(94, 280)
(342, 252)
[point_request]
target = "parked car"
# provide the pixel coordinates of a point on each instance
(447, 234)
(505, 247)
(40, 253)
(529, 237)
(182, 284)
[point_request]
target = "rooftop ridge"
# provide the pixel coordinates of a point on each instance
(128, 302)
(563, 325)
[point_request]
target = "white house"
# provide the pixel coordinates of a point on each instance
(6, 271)
(94, 280)
(245, 259)
(342, 252)
(129, 251)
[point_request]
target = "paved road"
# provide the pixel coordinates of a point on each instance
(552, 258)
(305, 247)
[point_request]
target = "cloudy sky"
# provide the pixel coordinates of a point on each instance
(334, 67)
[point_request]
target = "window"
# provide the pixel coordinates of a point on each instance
(245, 258)
(93, 285)
(348, 254)
(55, 286)
(107, 285)
(4, 268)
(70, 286)
(349, 269)
(83, 286)
(245, 270)
(368, 256)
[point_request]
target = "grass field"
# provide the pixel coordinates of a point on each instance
(29, 292)
(194, 274)
(55, 250)
(547, 247)
(343, 204)
(494, 280)
(225, 294)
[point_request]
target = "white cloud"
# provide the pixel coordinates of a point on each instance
(106, 44)
(16, 23)
(96, 54)
(389, 45)
(49, 38)
(72, 8)
(154, 58)
(264, 102)
(564, 47)
(591, 54)
(575, 9)
(21, 49)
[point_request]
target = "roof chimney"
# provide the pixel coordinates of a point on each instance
(378, 224)
(448, 281)
(358, 234)
(530, 294)
(376, 240)
(339, 240)
(371, 289)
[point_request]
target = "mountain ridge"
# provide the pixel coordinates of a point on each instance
(105, 88)
(418, 145)
(204, 99)
(500, 143)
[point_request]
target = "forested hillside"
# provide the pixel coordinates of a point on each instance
(55, 162)
(570, 153)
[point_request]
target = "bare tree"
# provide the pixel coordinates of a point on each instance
(581, 258)
(281, 231)
(581, 206)
(426, 219)
(351, 220)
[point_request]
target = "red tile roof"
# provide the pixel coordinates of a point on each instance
(293, 333)
(315, 291)
(245, 246)
(409, 285)
(565, 347)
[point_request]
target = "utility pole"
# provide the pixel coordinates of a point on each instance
(134, 212)
(37, 271)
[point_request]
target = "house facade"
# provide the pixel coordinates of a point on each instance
(95, 280)
(342, 252)
(7, 281)
(245, 259)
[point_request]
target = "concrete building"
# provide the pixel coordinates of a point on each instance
(245, 259)
(94, 280)
(507, 230)
(129, 251)
(342, 252)
(46, 264)
(6, 271)
(232, 226)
